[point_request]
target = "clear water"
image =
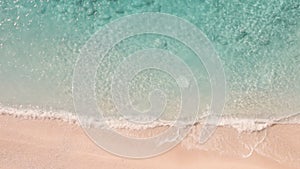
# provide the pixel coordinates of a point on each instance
(258, 43)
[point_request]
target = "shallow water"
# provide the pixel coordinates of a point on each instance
(258, 44)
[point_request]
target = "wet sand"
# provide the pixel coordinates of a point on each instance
(47, 144)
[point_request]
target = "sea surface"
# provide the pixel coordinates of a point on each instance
(258, 44)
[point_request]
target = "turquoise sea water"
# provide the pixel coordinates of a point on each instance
(258, 44)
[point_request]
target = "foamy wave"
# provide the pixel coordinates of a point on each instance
(38, 113)
(240, 125)
(258, 124)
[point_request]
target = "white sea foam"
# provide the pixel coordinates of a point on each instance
(121, 123)
(38, 113)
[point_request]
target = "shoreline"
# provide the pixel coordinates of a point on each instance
(241, 125)
(36, 143)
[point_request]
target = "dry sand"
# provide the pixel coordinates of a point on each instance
(47, 144)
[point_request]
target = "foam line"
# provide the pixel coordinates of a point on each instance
(117, 122)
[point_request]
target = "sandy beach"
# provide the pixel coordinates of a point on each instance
(47, 144)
